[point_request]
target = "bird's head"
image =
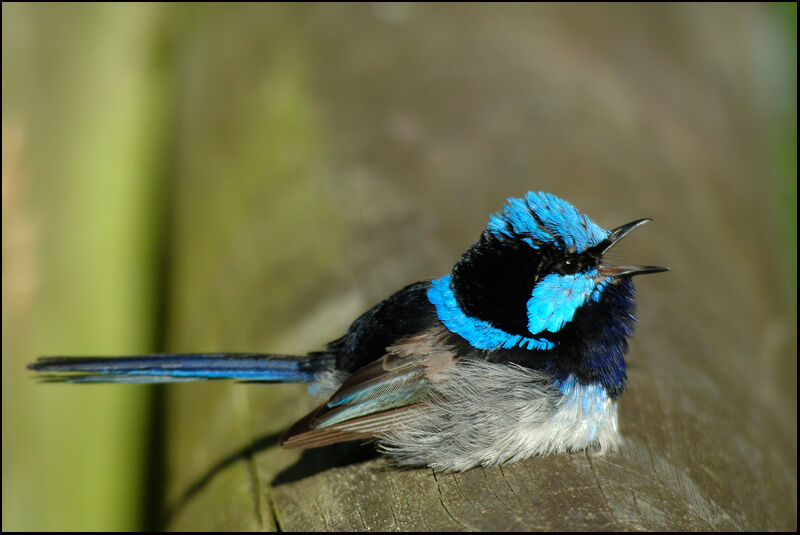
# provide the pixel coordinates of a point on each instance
(537, 274)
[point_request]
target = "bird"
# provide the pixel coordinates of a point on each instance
(519, 351)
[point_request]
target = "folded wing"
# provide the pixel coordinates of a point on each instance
(378, 396)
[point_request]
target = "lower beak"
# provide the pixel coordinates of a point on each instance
(629, 271)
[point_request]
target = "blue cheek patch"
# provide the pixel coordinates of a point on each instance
(480, 334)
(556, 298)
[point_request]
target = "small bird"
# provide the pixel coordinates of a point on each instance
(518, 351)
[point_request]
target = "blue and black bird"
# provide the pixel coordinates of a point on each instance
(518, 351)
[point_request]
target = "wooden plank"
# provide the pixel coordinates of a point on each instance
(381, 142)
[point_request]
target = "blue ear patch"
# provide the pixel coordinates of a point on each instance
(556, 298)
(544, 218)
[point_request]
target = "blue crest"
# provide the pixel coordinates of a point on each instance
(544, 218)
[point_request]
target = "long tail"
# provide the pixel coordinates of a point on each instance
(171, 368)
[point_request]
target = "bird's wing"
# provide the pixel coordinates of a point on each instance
(378, 396)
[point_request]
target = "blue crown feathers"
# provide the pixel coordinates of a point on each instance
(544, 218)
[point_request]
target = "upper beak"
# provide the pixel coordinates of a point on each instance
(615, 236)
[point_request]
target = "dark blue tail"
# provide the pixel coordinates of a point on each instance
(170, 368)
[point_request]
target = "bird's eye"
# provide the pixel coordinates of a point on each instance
(568, 267)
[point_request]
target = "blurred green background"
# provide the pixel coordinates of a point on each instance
(120, 121)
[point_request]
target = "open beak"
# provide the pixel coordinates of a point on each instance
(628, 271)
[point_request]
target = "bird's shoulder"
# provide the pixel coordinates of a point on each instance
(404, 313)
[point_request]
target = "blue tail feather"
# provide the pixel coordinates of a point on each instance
(168, 368)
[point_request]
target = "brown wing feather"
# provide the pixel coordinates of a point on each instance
(416, 360)
(362, 428)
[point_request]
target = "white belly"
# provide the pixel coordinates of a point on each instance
(485, 414)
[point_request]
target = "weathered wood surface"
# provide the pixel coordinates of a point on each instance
(367, 151)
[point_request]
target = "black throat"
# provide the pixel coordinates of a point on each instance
(593, 345)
